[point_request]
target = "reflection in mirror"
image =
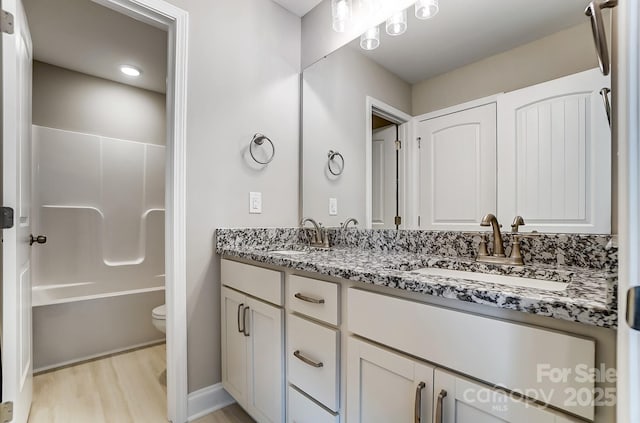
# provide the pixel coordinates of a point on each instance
(498, 111)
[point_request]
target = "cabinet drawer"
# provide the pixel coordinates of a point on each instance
(257, 281)
(515, 356)
(312, 355)
(304, 410)
(314, 298)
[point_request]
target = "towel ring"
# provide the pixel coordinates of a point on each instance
(259, 139)
(332, 155)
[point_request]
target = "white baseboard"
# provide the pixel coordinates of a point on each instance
(207, 400)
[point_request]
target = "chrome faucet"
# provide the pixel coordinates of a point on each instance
(498, 245)
(350, 220)
(321, 237)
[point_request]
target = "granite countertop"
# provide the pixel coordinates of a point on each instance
(590, 297)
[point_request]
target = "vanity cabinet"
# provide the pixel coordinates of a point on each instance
(384, 386)
(253, 341)
(459, 400)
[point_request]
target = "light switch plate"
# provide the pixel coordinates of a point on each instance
(255, 202)
(333, 206)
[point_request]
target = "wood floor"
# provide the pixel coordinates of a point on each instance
(123, 388)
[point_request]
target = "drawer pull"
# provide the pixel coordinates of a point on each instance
(297, 354)
(418, 403)
(240, 309)
(245, 329)
(309, 299)
(441, 396)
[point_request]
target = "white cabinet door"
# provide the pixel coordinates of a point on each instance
(265, 355)
(554, 155)
(234, 345)
(252, 355)
(384, 387)
(457, 168)
(459, 400)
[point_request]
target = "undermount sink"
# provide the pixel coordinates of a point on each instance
(497, 279)
(289, 252)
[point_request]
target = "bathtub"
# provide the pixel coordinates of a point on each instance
(81, 321)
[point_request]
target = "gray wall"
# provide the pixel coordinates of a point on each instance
(74, 101)
(557, 55)
(334, 117)
(244, 62)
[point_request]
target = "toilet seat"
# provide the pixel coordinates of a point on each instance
(160, 312)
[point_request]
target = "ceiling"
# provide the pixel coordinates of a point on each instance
(466, 31)
(83, 36)
(298, 7)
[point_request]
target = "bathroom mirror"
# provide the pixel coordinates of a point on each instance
(461, 93)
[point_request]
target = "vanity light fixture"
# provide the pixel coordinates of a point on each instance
(426, 9)
(397, 23)
(340, 14)
(370, 39)
(130, 70)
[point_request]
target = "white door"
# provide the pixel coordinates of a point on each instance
(383, 156)
(17, 367)
(265, 354)
(459, 400)
(457, 169)
(384, 387)
(554, 155)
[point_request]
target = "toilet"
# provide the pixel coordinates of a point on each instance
(159, 317)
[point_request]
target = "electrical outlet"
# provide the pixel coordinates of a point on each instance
(255, 202)
(333, 206)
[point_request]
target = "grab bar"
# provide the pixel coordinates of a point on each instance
(593, 10)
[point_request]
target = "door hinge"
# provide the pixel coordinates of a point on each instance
(6, 22)
(419, 139)
(6, 412)
(7, 217)
(398, 220)
(633, 307)
(398, 144)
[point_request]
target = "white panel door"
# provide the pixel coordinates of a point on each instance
(234, 345)
(265, 355)
(17, 366)
(459, 400)
(383, 178)
(384, 387)
(457, 168)
(554, 155)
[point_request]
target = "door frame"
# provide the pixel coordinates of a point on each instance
(396, 116)
(175, 21)
(626, 130)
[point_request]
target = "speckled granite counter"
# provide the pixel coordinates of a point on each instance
(590, 297)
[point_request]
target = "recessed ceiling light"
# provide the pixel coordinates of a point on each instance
(130, 70)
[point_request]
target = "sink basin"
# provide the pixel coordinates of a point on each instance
(498, 279)
(289, 252)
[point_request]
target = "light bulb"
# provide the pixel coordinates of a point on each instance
(340, 13)
(426, 9)
(397, 23)
(370, 39)
(130, 70)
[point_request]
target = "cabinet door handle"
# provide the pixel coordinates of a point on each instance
(597, 28)
(309, 299)
(240, 309)
(418, 403)
(297, 354)
(245, 328)
(441, 396)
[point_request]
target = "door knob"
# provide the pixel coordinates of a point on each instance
(40, 239)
